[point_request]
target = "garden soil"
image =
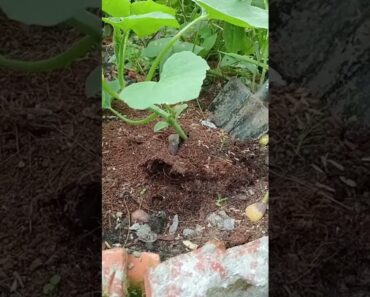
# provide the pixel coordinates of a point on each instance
(140, 173)
(47, 142)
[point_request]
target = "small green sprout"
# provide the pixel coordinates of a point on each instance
(220, 201)
(49, 288)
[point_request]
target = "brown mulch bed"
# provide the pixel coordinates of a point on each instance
(319, 206)
(49, 159)
(139, 172)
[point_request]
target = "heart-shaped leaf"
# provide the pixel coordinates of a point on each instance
(181, 80)
(160, 126)
(117, 8)
(143, 7)
(237, 12)
(106, 98)
(144, 24)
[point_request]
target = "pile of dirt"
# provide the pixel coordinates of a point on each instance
(139, 172)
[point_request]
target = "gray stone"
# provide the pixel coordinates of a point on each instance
(189, 233)
(144, 233)
(221, 221)
(174, 225)
(173, 143)
(239, 112)
(239, 288)
(211, 271)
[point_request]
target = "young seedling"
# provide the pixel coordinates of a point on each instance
(257, 210)
(49, 288)
(220, 201)
(182, 74)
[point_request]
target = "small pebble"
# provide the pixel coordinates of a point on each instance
(174, 225)
(140, 215)
(188, 233)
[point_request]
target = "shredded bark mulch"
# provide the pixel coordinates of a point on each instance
(319, 206)
(139, 172)
(50, 167)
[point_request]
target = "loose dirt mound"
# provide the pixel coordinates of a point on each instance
(137, 164)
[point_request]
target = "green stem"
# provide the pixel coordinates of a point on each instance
(160, 112)
(170, 119)
(145, 121)
(173, 40)
(87, 23)
(178, 128)
(121, 61)
(265, 57)
(116, 42)
(80, 48)
(108, 89)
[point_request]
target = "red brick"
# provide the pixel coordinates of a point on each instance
(114, 272)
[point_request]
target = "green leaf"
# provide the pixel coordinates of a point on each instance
(247, 59)
(259, 3)
(160, 126)
(55, 279)
(154, 47)
(144, 24)
(235, 38)
(143, 7)
(179, 109)
(237, 12)
(42, 12)
(181, 80)
(47, 289)
(209, 42)
(228, 61)
(116, 8)
(106, 98)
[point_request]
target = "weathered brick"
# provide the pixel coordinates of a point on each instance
(211, 271)
(138, 266)
(114, 272)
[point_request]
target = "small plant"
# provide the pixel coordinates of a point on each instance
(182, 73)
(220, 201)
(225, 142)
(143, 191)
(50, 287)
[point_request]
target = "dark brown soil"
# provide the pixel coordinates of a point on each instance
(139, 172)
(49, 159)
(319, 186)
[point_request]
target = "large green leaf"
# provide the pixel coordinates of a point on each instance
(235, 38)
(116, 8)
(237, 12)
(144, 24)
(143, 7)
(181, 80)
(42, 12)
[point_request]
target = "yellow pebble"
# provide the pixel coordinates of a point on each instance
(256, 211)
(264, 140)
